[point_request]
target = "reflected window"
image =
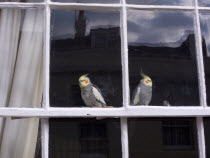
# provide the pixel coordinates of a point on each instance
(162, 2)
(162, 137)
(85, 138)
(205, 24)
(162, 46)
(177, 134)
(82, 43)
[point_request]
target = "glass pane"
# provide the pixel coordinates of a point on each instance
(204, 3)
(88, 1)
(27, 1)
(21, 49)
(207, 135)
(85, 138)
(162, 46)
(162, 137)
(20, 138)
(162, 2)
(85, 42)
(205, 24)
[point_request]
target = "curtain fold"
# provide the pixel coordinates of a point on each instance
(10, 20)
(20, 135)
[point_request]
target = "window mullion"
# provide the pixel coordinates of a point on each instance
(201, 137)
(45, 137)
(124, 50)
(47, 57)
(199, 55)
(124, 138)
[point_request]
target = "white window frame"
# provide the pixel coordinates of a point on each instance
(126, 111)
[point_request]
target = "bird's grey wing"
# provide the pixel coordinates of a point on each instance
(97, 94)
(136, 97)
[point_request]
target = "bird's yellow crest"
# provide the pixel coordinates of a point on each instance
(84, 80)
(147, 79)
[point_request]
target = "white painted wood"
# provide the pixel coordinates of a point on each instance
(124, 55)
(45, 137)
(21, 5)
(85, 6)
(204, 9)
(159, 7)
(46, 102)
(199, 55)
(201, 137)
(143, 111)
(124, 137)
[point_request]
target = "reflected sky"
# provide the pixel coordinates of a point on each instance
(204, 3)
(162, 2)
(94, 20)
(156, 27)
(88, 1)
(205, 24)
(205, 29)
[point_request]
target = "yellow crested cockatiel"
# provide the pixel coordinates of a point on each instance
(143, 92)
(90, 93)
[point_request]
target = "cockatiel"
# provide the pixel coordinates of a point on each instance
(90, 93)
(143, 92)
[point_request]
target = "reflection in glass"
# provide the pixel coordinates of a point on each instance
(85, 138)
(88, 1)
(205, 24)
(84, 42)
(20, 63)
(207, 135)
(162, 137)
(162, 45)
(204, 3)
(162, 2)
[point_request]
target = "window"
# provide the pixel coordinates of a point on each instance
(47, 45)
(177, 134)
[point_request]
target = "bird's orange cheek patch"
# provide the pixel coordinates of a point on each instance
(86, 81)
(146, 82)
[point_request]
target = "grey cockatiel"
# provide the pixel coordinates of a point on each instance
(143, 92)
(90, 93)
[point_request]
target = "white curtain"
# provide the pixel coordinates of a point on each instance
(23, 80)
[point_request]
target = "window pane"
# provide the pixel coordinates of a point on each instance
(21, 49)
(85, 138)
(28, 1)
(162, 46)
(88, 1)
(205, 24)
(162, 2)
(204, 3)
(85, 42)
(207, 135)
(162, 137)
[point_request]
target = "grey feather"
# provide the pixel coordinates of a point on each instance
(92, 96)
(142, 94)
